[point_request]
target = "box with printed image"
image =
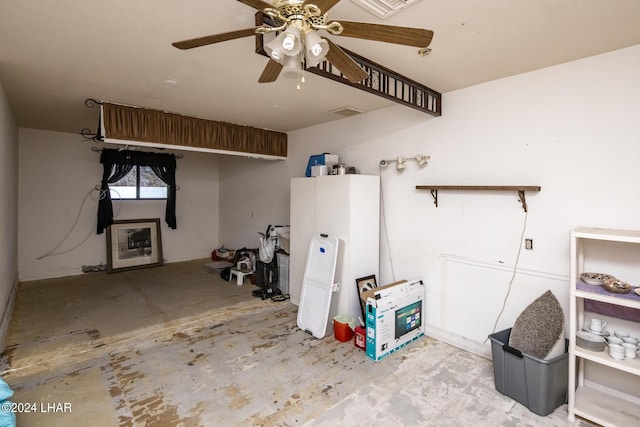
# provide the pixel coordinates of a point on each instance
(394, 317)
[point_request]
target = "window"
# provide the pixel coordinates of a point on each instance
(134, 173)
(141, 183)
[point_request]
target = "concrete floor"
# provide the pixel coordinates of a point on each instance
(177, 346)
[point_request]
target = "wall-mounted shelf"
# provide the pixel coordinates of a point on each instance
(520, 189)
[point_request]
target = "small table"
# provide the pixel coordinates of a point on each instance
(239, 273)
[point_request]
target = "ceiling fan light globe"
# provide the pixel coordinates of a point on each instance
(316, 49)
(274, 50)
(289, 43)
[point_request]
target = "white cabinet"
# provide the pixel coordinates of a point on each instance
(348, 207)
(602, 389)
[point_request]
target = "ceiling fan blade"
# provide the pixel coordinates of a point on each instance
(343, 62)
(256, 4)
(216, 38)
(407, 36)
(270, 72)
(323, 5)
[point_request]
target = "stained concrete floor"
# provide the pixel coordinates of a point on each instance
(178, 346)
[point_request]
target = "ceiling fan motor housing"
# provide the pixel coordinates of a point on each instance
(304, 17)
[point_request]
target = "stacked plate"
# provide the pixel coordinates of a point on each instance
(590, 341)
(603, 333)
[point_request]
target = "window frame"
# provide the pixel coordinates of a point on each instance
(137, 169)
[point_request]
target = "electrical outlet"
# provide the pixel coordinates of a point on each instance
(528, 244)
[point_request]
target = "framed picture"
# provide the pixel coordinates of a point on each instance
(364, 284)
(134, 243)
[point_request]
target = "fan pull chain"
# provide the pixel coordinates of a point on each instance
(300, 75)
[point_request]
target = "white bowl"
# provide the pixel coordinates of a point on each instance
(595, 279)
(621, 334)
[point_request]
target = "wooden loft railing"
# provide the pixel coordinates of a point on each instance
(520, 189)
(387, 84)
(382, 81)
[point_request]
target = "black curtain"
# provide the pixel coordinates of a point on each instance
(117, 164)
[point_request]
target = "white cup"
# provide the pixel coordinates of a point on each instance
(614, 340)
(630, 350)
(617, 351)
(597, 325)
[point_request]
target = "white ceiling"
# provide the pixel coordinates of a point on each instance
(54, 54)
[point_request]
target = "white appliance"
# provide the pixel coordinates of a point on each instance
(345, 206)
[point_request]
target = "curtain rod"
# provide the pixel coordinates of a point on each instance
(97, 150)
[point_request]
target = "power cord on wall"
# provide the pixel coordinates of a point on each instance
(53, 252)
(513, 276)
(384, 223)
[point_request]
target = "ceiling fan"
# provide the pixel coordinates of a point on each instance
(298, 45)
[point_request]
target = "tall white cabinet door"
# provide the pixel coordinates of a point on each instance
(302, 219)
(348, 207)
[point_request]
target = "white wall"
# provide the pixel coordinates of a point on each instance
(255, 194)
(8, 212)
(571, 129)
(58, 171)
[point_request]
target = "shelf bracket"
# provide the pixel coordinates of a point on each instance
(434, 194)
(522, 200)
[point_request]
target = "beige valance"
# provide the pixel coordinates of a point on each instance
(126, 123)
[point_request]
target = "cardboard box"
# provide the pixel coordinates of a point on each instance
(394, 317)
(216, 267)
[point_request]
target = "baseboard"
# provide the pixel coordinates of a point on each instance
(475, 347)
(8, 312)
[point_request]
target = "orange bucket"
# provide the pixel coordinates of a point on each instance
(342, 329)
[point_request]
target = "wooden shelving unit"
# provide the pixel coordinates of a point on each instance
(518, 188)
